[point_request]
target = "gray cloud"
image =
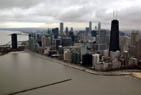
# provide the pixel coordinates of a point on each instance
(54, 11)
(17, 3)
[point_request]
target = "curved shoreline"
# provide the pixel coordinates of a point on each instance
(114, 73)
(84, 69)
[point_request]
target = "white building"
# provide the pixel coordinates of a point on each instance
(44, 41)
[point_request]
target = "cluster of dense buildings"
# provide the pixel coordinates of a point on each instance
(98, 49)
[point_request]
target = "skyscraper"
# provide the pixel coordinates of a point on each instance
(14, 41)
(87, 31)
(102, 40)
(133, 47)
(114, 37)
(61, 28)
(90, 27)
(71, 30)
(98, 36)
(67, 31)
(31, 42)
(44, 41)
(99, 26)
(55, 32)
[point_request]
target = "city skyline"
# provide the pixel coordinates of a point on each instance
(57, 46)
(48, 13)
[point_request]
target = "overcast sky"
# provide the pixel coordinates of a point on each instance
(43, 13)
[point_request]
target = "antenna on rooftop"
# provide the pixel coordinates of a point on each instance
(115, 14)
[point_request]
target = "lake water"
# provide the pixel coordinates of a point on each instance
(25, 70)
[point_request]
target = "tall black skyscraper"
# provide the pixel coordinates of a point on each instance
(14, 41)
(114, 37)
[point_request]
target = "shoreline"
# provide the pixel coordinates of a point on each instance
(133, 73)
(90, 71)
(137, 75)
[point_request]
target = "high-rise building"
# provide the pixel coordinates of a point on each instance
(32, 41)
(102, 40)
(67, 41)
(99, 26)
(114, 37)
(44, 41)
(134, 38)
(93, 33)
(138, 50)
(124, 44)
(14, 41)
(61, 28)
(90, 27)
(133, 44)
(67, 31)
(87, 31)
(49, 39)
(71, 30)
(98, 31)
(58, 42)
(55, 32)
(87, 60)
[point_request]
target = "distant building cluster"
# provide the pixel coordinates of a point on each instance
(97, 48)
